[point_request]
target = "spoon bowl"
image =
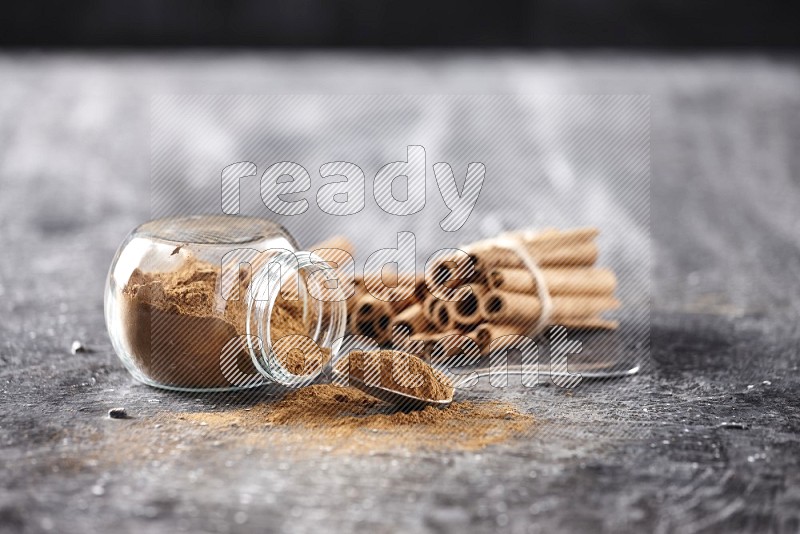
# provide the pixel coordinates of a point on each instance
(403, 402)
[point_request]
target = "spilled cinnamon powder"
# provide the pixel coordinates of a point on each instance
(178, 325)
(396, 371)
(324, 418)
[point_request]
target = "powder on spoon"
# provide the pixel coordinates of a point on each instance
(396, 371)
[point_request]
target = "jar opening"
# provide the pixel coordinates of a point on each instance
(294, 317)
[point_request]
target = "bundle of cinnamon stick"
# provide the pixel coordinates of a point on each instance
(505, 297)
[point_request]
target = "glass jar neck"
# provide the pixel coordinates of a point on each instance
(312, 284)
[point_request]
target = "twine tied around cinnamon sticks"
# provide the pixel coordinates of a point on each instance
(506, 241)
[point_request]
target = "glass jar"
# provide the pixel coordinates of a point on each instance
(218, 303)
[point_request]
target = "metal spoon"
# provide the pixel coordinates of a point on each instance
(403, 402)
(406, 402)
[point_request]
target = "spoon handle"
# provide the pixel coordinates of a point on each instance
(619, 371)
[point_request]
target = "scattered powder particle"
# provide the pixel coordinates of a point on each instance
(77, 347)
(117, 413)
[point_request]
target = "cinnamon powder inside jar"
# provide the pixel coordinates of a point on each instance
(179, 326)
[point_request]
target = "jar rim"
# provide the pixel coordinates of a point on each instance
(211, 230)
(260, 312)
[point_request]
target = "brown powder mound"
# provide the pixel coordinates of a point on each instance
(329, 405)
(177, 325)
(397, 371)
(348, 420)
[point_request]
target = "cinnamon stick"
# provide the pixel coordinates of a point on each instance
(442, 318)
(552, 236)
(446, 273)
(467, 311)
(372, 318)
(488, 332)
(358, 291)
(446, 347)
(521, 308)
(398, 290)
(413, 319)
(577, 255)
(579, 280)
(589, 323)
(427, 306)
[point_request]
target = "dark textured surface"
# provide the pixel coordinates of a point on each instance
(706, 440)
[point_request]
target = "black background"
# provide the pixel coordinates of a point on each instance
(668, 24)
